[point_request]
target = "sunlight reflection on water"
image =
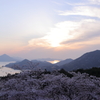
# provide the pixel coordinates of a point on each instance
(54, 61)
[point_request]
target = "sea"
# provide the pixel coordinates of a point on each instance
(5, 71)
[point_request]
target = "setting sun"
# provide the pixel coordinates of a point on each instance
(45, 28)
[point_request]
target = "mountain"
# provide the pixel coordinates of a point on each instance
(22, 65)
(86, 61)
(44, 65)
(29, 65)
(6, 58)
(63, 62)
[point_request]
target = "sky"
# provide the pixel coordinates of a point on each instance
(61, 29)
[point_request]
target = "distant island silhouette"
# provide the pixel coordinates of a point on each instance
(6, 58)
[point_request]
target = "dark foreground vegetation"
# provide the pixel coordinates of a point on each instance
(55, 85)
(93, 71)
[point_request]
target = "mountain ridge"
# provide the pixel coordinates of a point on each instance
(87, 60)
(30, 65)
(62, 62)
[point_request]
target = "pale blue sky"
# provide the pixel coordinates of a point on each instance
(49, 28)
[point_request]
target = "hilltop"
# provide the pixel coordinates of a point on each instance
(86, 61)
(6, 58)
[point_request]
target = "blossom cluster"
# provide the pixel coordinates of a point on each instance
(41, 85)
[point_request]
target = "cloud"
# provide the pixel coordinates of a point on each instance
(83, 11)
(96, 2)
(75, 4)
(57, 3)
(88, 2)
(39, 42)
(88, 33)
(56, 35)
(63, 39)
(68, 34)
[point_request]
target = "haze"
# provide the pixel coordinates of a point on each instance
(49, 28)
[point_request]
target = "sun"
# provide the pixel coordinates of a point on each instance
(55, 37)
(54, 40)
(55, 44)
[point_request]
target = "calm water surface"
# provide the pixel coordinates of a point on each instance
(54, 61)
(4, 70)
(5, 63)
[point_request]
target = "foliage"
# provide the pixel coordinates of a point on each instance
(44, 85)
(66, 73)
(93, 71)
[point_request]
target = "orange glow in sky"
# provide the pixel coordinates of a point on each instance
(45, 28)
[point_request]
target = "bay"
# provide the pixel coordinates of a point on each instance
(5, 71)
(5, 63)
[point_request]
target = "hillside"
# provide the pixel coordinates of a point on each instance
(44, 65)
(32, 65)
(63, 62)
(42, 85)
(86, 61)
(25, 64)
